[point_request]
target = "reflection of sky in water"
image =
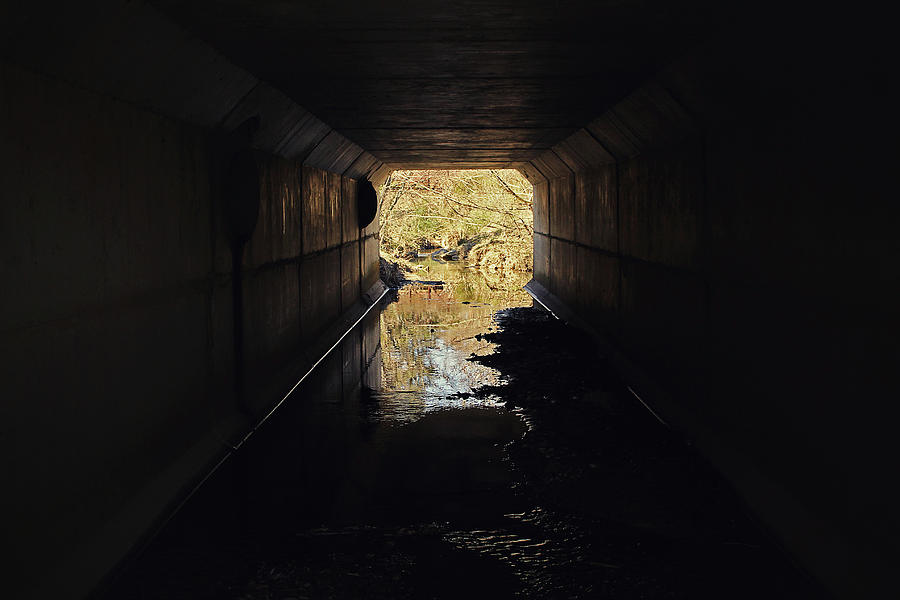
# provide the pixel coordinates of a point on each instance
(443, 369)
(428, 372)
(426, 337)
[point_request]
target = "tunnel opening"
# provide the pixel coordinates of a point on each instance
(477, 219)
(457, 246)
(710, 198)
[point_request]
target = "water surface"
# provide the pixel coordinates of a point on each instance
(429, 333)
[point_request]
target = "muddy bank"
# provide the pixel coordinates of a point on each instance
(392, 274)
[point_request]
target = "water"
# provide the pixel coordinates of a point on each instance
(384, 477)
(429, 333)
(374, 479)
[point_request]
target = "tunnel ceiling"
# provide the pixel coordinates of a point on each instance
(443, 84)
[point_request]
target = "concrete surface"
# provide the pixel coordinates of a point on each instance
(116, 333)
(711, 193)
(713, 251)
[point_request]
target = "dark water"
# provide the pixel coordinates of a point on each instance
(374, 480)
(384, 476)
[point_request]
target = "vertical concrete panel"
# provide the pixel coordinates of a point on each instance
(349, 212)
(314, 218)
(542, 259)
(660, 210)
(562, 207)
(584, 282)
(597, 287)
(599, 279)
(311, 317)
(360, 247)
(562, 270)
(73, 236)
(350, 291)
(277, 233)
(541, 207)
(787, 232)
(634, 201)
(570, 286)
(331, 284)
(604, 221)
(585, 201)
(164, 181)
(595, 208)
(320, 292)
(271, 320)
(675, 206)
(333, 216)
(370, 272)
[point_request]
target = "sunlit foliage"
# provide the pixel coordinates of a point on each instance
(483, 216)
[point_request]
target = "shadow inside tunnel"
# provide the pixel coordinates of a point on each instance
(531, 473)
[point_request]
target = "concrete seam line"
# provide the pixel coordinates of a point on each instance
(565, 164)
(601, 144)
(311, 369)
(647, 406)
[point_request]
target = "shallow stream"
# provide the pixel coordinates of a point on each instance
(429, 333)
(389, 474)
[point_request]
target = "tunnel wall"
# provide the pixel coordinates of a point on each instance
(304, 270)
(737, 264)
(117, 334)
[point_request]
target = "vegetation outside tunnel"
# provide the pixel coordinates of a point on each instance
(482, 216)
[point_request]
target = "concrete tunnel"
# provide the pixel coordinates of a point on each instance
(710, 201)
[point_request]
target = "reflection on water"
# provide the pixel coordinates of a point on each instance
(383, 494)
(412, 491)
(428, 333)
(548, 553)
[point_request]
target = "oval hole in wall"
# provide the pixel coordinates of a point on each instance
(367, 202)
